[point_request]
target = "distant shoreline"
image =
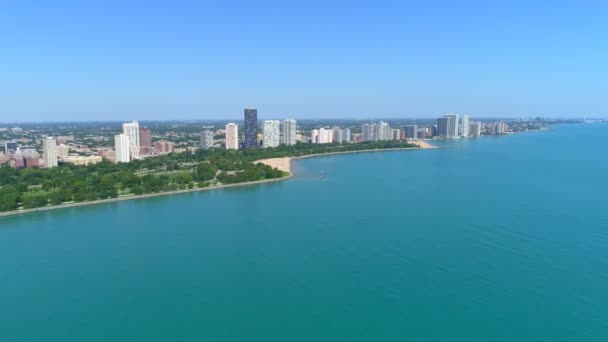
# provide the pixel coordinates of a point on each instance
(283, 164)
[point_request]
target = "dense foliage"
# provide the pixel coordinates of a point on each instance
(34, 187)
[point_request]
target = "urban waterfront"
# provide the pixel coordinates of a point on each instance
(496, 238)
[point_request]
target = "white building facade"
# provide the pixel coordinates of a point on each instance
(131, 129)
(122, 148)
(289, 132)
(271, 133)
(49, 150)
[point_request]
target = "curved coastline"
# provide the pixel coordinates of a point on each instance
(283, 164)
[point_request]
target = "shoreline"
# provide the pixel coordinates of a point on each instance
(281, 163)
(284, 163)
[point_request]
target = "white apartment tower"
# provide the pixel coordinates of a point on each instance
(271, 133)
(465, 126)
(232, 136)
(122, 148)
(289, 132)
(49, 151)
(131, 130)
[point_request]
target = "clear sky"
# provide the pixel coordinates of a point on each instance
(121, 60)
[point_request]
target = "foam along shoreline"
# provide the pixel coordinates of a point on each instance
(283, 164)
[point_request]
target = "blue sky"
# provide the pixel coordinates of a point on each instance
(119, 60)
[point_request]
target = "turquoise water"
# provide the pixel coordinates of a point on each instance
(494, 239)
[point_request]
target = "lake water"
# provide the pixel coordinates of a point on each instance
(491, 239)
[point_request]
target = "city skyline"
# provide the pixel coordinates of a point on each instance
(63, 63)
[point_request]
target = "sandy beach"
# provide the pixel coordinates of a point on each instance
(284, 164)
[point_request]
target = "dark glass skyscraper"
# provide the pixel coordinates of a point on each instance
(251, 127)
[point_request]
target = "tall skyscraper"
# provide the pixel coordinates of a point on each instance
(206, 139)
(442, 126)
(122, 148)
(337, 134)
(289, 132)
(411, 131)
(452, 125)
(367, 132)
(131, 129)
(232, 136)
(251, 128)
(49, 150)
(346, 135)
(465, 126)
(271, 133)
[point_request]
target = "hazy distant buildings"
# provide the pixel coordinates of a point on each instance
(122, 148)
(131, 129)
(289, 132)
(63, 151)
(271, 133)
(10, 146)
(206, 139)
(145, 137)
(27, 158)
(251, 128)
(232, 135)
(164, 146)
(49, 152)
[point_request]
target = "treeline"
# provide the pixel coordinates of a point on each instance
(34, 187)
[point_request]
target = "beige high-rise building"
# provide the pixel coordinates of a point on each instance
(49, 150)
(232, 136)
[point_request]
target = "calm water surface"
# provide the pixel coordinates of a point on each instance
(502, 239)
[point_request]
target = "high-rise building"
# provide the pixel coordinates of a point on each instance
(49, 150)
(465, 126)
(131, 129)
(251, 128)
(314, 136)
(289, 132)
(322, 136)
(232, 136)
(452, 125)
(206, 139)
(475, 129)
(326, 136)
(271, 133)
(442, 127)
(395, 134)
(122, 148)
(10, 146)
(346, 135)
(367, 132)
(411, 131)
(145, 137)
(337, 134)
